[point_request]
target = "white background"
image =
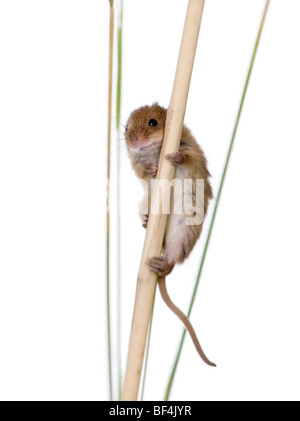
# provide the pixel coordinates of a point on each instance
(53, 123)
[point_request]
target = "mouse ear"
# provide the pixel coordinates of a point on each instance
(159, 108)
(156, 105)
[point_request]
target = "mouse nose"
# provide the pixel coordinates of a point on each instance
(136, 138)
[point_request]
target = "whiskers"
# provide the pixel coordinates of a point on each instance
(119, 133)
(118, 143)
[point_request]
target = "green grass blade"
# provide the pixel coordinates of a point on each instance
(170, 383)
(118, 251)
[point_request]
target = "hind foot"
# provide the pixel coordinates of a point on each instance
(160, 265)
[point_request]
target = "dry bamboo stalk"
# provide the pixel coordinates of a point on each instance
(146, 281)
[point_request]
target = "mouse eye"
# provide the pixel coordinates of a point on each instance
(126, 129)
(152, 122)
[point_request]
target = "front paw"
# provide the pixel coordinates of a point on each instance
(175, 158)
(151, 170)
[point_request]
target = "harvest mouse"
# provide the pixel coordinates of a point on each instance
(144, 135)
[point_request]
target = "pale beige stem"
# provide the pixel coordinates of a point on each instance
(146, 281)
(110, 72)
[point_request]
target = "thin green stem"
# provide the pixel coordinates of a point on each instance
(168, 389)
(118, 113)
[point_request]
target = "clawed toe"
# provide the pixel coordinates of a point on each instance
(145, 218)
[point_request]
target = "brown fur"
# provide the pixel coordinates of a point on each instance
(145, 163)
(144, 145)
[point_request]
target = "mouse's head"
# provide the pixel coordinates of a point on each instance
(145, 128)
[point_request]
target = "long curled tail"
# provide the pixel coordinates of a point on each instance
(183, 318)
